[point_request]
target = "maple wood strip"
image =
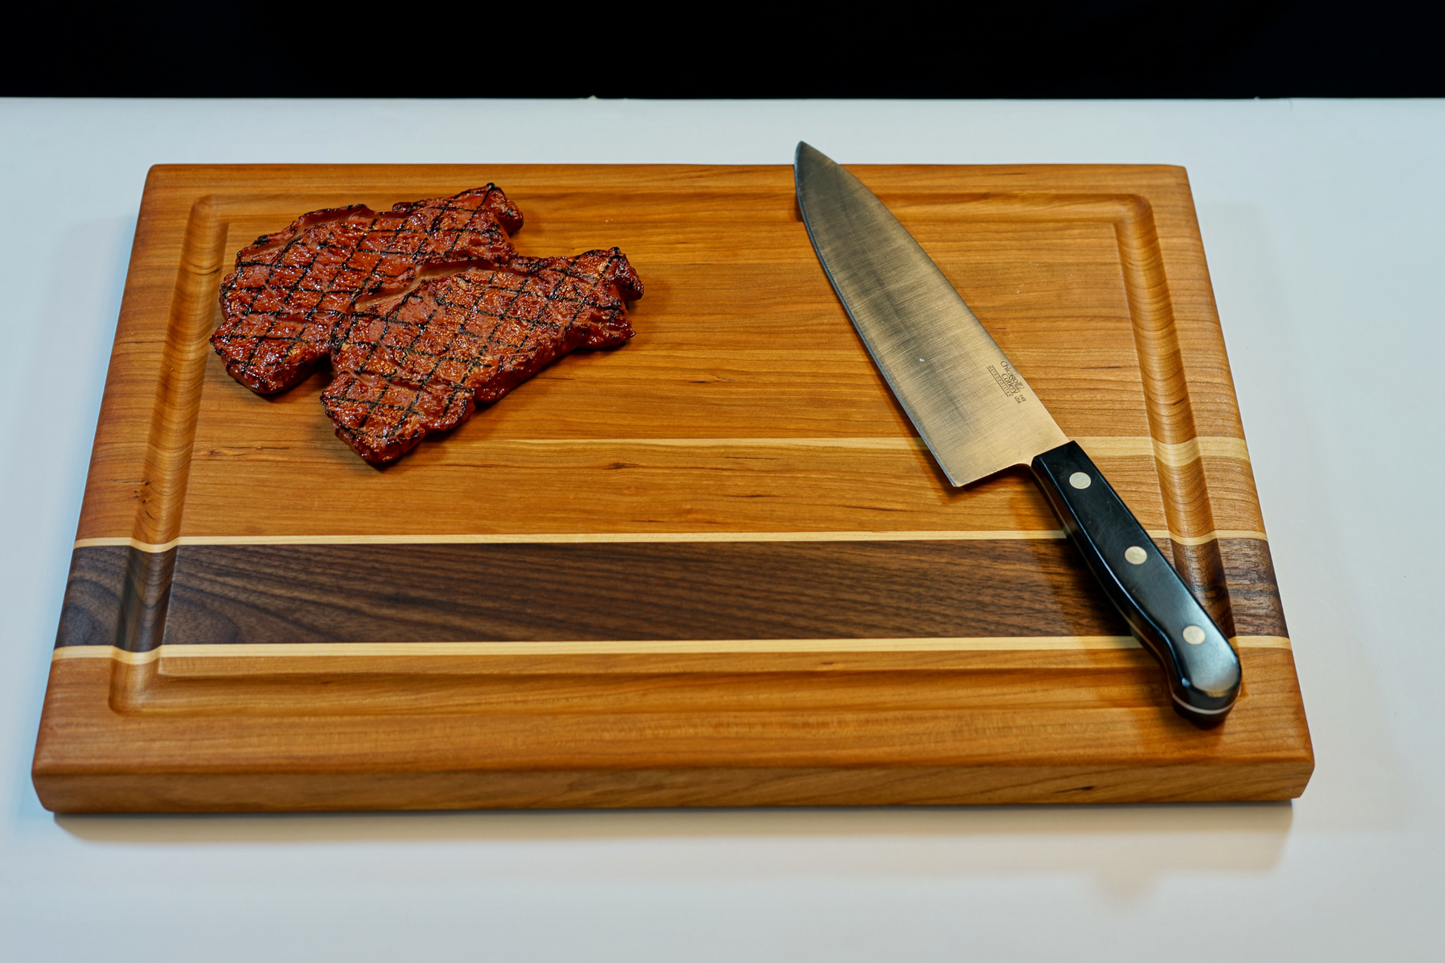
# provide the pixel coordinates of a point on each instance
(1174, 455)
(105, 652)
(578, 538)
(908, 443)
(1134, 662)
(634, 646)
(243, 663)
(1213, 536)
(1261, 642)
(416, 650)
(1192, 450)
(109, 542)
(1098, 445)
(565, 538)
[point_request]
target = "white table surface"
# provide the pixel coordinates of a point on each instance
(1324, 226)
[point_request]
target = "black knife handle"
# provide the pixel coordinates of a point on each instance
(1202, 669)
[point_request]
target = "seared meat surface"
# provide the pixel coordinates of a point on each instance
(418, 364)
(413, 353)
(290, 288)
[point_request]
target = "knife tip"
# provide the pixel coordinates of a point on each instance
(807, 152)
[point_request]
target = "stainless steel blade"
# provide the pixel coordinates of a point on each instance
(974, 411)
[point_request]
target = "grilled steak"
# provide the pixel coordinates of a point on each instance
(290, 288)
(418, 363)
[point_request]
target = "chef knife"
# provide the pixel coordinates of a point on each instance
(979, 416)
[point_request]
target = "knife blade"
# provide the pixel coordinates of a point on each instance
(978, 416)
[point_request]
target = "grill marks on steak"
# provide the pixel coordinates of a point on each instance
(413, 353)
(291, 288)
(418, 364)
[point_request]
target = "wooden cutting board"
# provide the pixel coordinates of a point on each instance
(712, 567)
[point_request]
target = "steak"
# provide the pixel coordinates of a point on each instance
(419, 363)
(289, 290)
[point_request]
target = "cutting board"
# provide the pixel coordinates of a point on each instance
(714, 566)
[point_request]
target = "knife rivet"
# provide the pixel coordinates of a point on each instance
(1193, 634)
(1080, 480)
(1135, 555)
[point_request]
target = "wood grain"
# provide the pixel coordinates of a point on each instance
(678, 747)
(598, 591)
(714, 566)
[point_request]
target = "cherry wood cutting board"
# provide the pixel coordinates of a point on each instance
(715, 566)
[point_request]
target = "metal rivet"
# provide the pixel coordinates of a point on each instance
(1193, 634)
(1135, 555)
(1080, 480)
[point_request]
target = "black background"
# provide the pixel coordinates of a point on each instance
(1103, 48)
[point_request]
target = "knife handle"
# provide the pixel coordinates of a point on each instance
(1202, 669)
